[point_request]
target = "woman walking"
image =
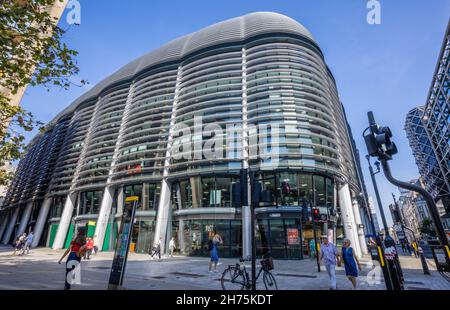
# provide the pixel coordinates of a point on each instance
(350, 262)
(76, 251)
(214, 243)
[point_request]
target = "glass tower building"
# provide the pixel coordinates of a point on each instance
(428, 131)
(176, 127)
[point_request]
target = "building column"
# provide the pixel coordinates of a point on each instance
(41, 221)
(103, 217)
(64, 222)
(181, 241)
(162, 217)
(348, 219)
(25, 218)
(10, 227)
(4, 223)
(360, 230)
(164, 205)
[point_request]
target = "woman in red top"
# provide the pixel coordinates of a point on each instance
(89, 247)
(76, 252)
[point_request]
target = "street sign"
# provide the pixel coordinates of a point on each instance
(123, 243)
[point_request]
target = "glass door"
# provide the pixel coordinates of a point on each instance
(277, 238)
(294, 247)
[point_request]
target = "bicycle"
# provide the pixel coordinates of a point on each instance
(237, 278)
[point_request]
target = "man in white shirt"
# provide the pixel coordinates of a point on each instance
(330, 256)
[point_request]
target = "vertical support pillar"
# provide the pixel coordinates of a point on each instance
(162, 217)
(25, 218)
(4, 223)
(103, 217)
(168, 229)
(164, 206)
(348, 218)
(64, 222)
(40, 222)
(10, 227)
(360, 230)
(181, 241)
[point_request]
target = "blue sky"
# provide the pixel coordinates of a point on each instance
(386, 68)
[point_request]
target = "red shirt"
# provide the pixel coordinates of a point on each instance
(90, 244)
(75, 246)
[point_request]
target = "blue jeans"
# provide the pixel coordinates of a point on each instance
(331, 270)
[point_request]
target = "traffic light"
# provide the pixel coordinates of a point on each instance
(378, 141)
(316, 215)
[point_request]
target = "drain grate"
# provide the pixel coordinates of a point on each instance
(100, 267)
(296, 275)
(158, 277)
(187, 274)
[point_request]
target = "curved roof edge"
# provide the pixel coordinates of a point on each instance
(231, 30)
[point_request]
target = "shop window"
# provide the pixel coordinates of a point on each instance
(134, 190)
(90, 202)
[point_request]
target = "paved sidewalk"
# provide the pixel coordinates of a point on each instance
(415, 279)
(40, 270)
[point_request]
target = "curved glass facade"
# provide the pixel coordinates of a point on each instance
(176, 126)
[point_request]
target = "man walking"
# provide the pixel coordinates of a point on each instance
(28, 242)
(157, 249)
(330, 256)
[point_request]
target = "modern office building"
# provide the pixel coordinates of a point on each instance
(428, 131)
(176, 127)
(424, 155)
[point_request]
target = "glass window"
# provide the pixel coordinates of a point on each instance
(319, 186)
(277, 238)
(209, 196)
(306, 187)
(153, 193)
(262, 237)
(288, 191)
(329, 192)
(134, 190)
(90, 202)
(145, 236)
(223, 192)
(294, 241)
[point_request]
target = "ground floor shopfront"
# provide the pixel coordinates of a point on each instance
(191, 210)
(284, 237)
